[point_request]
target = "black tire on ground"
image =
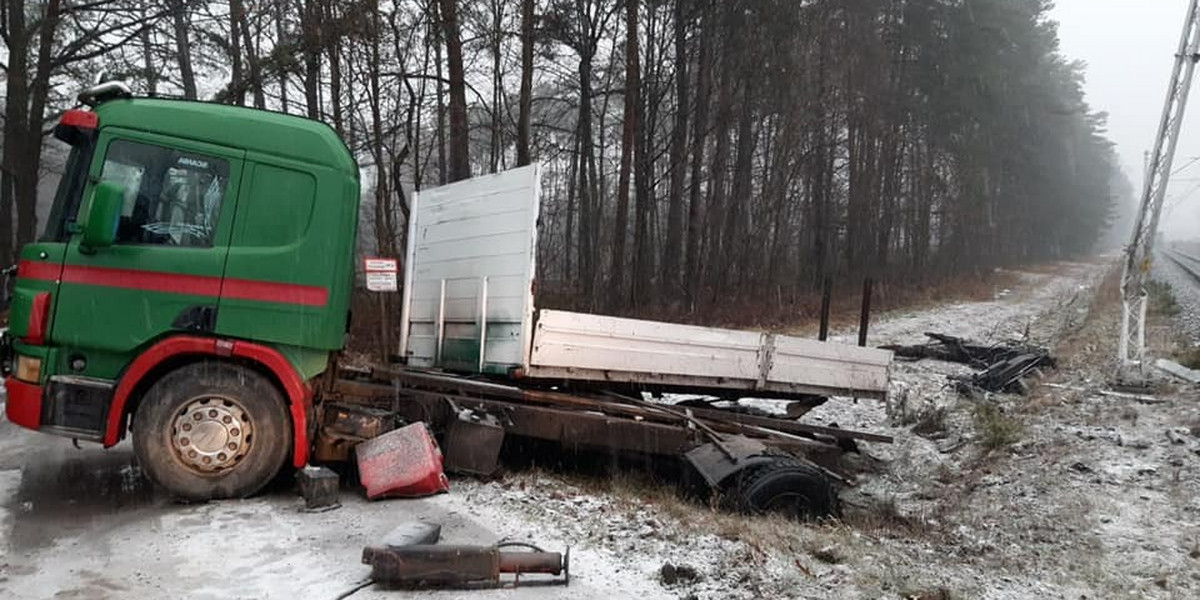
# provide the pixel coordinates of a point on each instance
(264, 445)
(787, 486)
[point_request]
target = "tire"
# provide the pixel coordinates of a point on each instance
(787, 486)
(212, 430)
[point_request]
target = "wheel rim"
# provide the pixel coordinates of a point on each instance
(211, 434)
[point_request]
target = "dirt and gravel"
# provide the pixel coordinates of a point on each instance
(1186, 291)
(1066, 493)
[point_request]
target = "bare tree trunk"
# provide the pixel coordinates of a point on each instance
(149, 71)
(568, 250)
(717, 258)
(16, 105)
(39, 92)
(735, 234)
(628, 140)
(333, 47)
(699, 133)
(523, 156)
(588, 249)
(646, 117)
(252, 61)
(460, 164)
(671, 275)
(280, 32)
(310, 35)
(497, 84)
(436, 33)
(237, 88)
(180, 12)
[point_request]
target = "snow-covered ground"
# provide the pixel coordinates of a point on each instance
(1097, 497)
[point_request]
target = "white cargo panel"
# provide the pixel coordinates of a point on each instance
(469, 307)
(468, 304)
(589, 347)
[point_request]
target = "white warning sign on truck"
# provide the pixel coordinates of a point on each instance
(382, 274)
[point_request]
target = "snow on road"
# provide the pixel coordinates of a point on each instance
(86, 524)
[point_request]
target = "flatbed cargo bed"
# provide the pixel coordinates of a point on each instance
(469, 307)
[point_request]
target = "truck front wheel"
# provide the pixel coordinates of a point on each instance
(212, 430)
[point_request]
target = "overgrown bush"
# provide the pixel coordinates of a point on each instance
(1162, 299)
(996, 429)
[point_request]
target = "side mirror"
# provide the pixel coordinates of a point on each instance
(103, 217)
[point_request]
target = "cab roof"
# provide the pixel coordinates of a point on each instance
(238, 127)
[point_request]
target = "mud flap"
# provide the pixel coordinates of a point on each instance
(717, 460)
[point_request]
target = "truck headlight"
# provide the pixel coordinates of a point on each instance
(29, 369)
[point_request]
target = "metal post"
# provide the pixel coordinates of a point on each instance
(826, 297)
(483, 294)
(1139, 254)
(864, 319)
(441, 325)
(385, 347)
(409, 267)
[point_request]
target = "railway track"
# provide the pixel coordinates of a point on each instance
(1187, 262)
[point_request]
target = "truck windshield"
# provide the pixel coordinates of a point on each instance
(70, 189)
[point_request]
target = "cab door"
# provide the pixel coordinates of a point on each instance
(164, 272)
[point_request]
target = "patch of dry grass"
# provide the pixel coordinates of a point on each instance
(1188, 357)
(996, 429)
(929, 421)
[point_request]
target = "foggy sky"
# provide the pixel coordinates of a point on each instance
(1129, 48)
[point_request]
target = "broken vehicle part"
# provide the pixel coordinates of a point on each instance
(1178, 370)
(319, 486)
(413, 534)
(343, 426)
(427, 564)
(1006, 376)
(716, 462)
(1004, 366)
(473, 442)
(405, 463)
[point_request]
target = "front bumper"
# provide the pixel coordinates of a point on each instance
(24, 404)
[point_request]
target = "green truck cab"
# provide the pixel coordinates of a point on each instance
(193, 279)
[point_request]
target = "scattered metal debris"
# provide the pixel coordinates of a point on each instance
(413, 534)
(473, 442)
(404, 463)
(961, 350)
(1142, 398)
(319, 486)
(1178, 370)
(1004, 366)
(1008, 375)
(433, 565)
(345, 425)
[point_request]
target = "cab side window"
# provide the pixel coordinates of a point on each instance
(172, 197)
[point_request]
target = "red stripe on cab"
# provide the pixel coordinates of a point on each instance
(41, 271)
(178, 283)
(152, 281)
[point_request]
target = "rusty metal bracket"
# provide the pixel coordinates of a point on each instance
(427, 564)
(766, 359)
